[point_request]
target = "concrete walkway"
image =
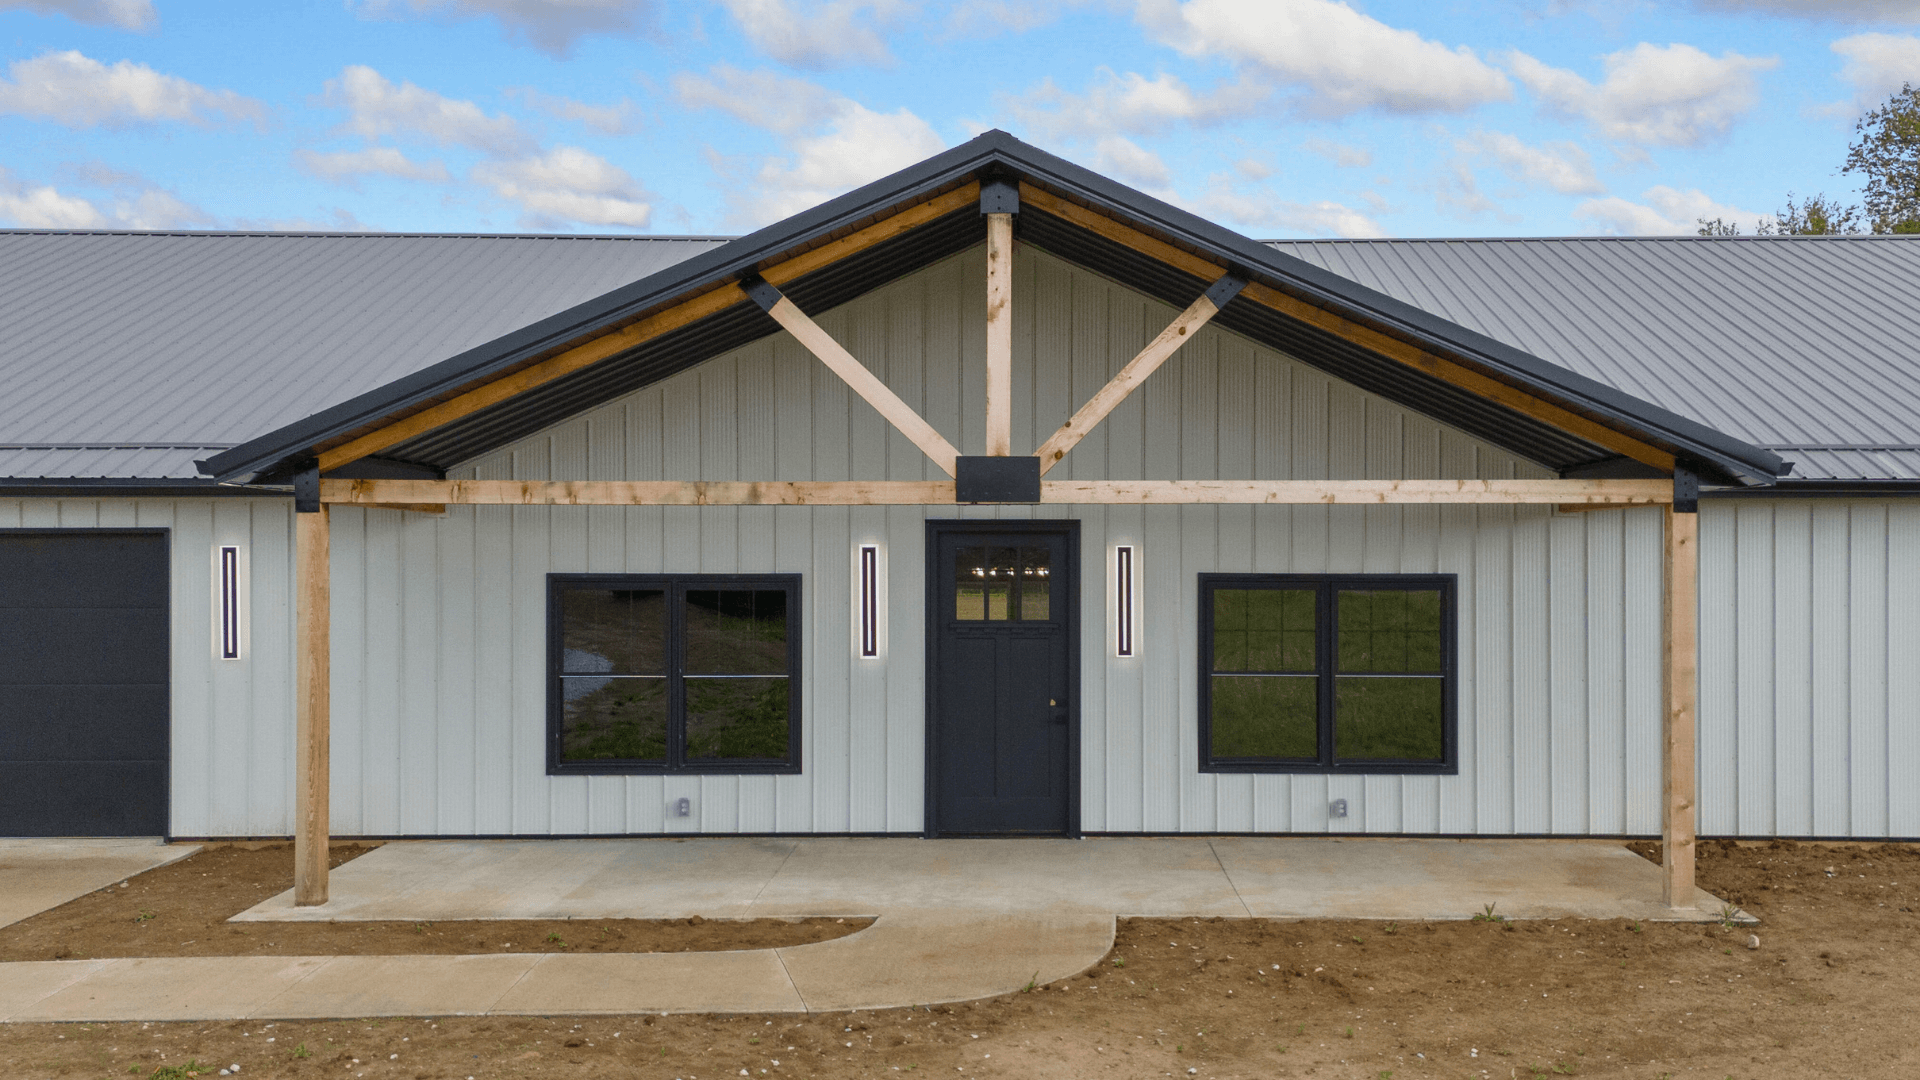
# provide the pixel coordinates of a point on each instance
(956, 919)
(39, 874)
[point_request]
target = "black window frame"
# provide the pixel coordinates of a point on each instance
(675, 586)
(1326, 653)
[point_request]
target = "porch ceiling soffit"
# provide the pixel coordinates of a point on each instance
(688, 313)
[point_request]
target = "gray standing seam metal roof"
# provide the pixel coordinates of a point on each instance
(199, 341)
(1807, 346)
(128, 355)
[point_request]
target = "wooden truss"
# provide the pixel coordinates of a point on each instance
(1681, 530)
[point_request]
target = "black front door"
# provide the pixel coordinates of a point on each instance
(1002, 722)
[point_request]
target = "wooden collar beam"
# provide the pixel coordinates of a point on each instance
(384, 493)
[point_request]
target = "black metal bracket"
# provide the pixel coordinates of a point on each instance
(996, 479)
(999, 197)
(1224, 290)
(762, 293)
(1686, 491)
(306, 489)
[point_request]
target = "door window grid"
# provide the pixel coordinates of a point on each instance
(1002, 583)
(692, 673)
(1327, 673)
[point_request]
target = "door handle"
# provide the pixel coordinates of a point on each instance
(1060, 713)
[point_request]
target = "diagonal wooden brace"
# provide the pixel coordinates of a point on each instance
(1146, 363)
(855, 374)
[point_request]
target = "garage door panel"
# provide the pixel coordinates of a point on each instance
(84, 694)
(83, 723)
(82, 570)
(69, 645)
(64, 798)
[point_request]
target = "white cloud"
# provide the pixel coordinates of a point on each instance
(46, 207)
(1342, 60)
(340, 220)
(620, 118)
(762, 98)
(378, 107)
(988, 18)
(1663, 211)
(1877, 65)
(1262, 210)
(1562, 166)
(552, 26)
(1457, 191)
(831, 143)
(1347, 157)
(817, 33)
(78, 91)
(135, 15)
(343, 166)
(1130, 161)
(1834, 10)
(859, 146)
(1130, 103)
(1673, 95)
(568, 184)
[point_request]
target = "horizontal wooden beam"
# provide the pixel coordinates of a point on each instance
(1393, 348)
(940, 492)
(673, 318)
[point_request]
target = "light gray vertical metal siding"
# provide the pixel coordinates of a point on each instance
(1810, 693)
(440, 622)
(232, 720)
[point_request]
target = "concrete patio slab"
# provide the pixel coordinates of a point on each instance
(1171, 877)
(724, 982)
(39, 874)
(1446, 879)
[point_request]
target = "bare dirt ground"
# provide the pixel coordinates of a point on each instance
(181, 910)
(1829, 992)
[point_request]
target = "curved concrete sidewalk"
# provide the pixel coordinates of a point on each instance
(904, 958)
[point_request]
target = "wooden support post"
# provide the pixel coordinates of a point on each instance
(1677, 744)
(999, 335)
(311, 737)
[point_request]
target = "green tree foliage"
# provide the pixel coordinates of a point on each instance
(1886, 151)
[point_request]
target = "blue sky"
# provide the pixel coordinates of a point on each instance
(1276, 117)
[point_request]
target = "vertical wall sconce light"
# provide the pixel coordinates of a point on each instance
(1126, 601)
(869, 601)
(229, 602)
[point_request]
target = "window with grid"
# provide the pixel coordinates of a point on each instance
(1311, 673)
(688, 673)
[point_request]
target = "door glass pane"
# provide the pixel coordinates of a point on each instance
(1033, 579)
(1263, 630)
(1265, 716)
(613, 632)
(1390, 630)
(608, 718)
(736, 719)
(737, 631)
(1388, 719)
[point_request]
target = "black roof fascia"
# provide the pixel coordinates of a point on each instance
(998, 153)
(104, 487)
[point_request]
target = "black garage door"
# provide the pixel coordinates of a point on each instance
(83, 683)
